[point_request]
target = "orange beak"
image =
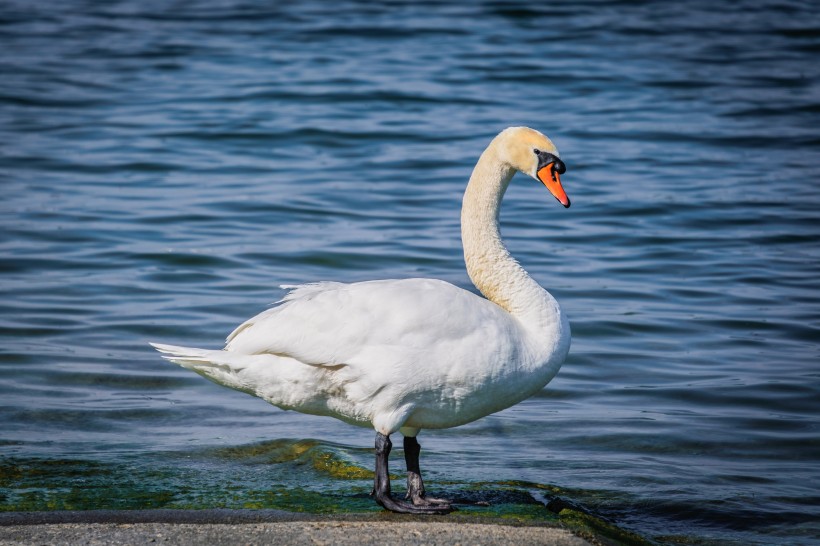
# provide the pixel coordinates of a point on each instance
(552, 180)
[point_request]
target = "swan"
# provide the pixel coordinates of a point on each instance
(410, 354)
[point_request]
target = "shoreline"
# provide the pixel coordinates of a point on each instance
(218, 526)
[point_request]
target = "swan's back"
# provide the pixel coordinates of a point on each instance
(381, 323)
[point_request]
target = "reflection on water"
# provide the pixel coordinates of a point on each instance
(166, 167)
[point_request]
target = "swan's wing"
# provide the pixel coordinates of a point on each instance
(329, 324)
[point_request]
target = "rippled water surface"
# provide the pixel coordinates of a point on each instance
(165, 166)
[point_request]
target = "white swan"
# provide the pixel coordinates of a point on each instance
(404, 355)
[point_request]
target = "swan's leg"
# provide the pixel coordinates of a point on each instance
(381, 488)
(415, 485)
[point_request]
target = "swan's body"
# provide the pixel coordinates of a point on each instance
(414, 353)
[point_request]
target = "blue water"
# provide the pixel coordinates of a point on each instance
(165, 166)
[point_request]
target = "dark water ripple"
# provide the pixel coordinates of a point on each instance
(166, 166)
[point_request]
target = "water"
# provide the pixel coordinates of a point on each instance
(166, 166)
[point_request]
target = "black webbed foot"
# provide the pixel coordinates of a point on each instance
(381, 489)
(415, 485)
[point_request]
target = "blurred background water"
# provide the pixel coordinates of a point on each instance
(166, 165)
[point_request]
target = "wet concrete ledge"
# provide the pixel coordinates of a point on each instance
(218, 527)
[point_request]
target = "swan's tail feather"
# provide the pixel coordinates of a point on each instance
(219, 366)
(187, 357)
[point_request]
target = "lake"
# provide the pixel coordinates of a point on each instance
(166, 166)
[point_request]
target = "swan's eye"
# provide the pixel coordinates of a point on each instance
(537, 151)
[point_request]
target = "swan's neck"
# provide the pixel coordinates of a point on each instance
(498, 276)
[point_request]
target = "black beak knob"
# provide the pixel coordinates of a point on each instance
(545, 158)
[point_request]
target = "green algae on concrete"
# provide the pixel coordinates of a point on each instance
(598, 530)
(305, 477)
(323, 457)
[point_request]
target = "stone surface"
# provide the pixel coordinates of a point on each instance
(240, 527)
(319, 533)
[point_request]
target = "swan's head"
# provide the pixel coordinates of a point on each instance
(532, 153)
